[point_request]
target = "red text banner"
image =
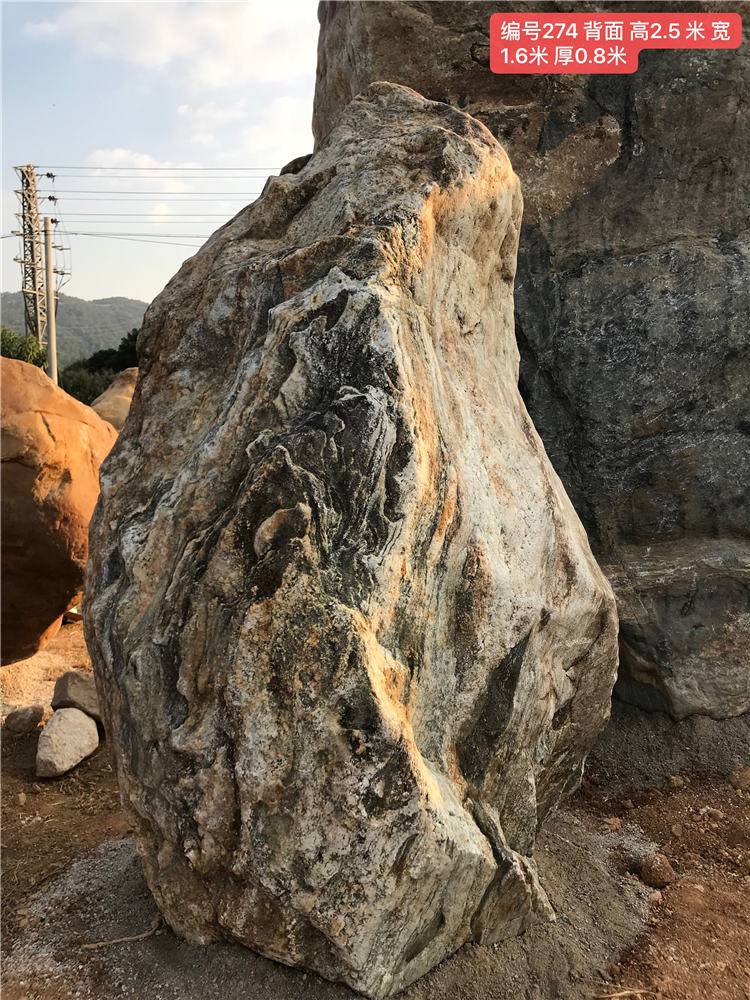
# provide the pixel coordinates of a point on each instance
(601, 43)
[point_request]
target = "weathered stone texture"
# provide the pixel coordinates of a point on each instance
(69, 737)
(52, 446)
(632, 298)
(350, 641)
(76, 689)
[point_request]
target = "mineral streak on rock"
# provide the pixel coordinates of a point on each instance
(350, 642)
(632, 297)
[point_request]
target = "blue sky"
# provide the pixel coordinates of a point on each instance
(169, 85)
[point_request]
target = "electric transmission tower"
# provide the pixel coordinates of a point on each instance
(33, 284)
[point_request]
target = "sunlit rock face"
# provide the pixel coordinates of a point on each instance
(632, 298)
(349, 637)
(52, 447)
(114, 403)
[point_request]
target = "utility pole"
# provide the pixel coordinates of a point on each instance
(33, 284)
(50, 286)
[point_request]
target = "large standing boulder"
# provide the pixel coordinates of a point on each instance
(113, 404)
(632, 298)
(52, 447)
(350, 640)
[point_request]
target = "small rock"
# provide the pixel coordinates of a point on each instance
(613, 823)
(677, 830)
(68, 738)
(628, 804)
(655, 897)
(740, 778)
(24, 719)
(77, 690)
(656, 871)
(711, 813)
(694, 896)
(676, 781)
(22, 798)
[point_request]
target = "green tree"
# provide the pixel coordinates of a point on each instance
(22, 347)
(85, 386)
(88, 378)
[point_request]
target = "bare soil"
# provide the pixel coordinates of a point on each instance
(47, 824)
(72, 879)
(697, 946)
(32, 681)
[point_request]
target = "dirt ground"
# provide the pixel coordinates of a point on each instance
(71, 879)
(33, 680)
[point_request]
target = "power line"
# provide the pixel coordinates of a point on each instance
(156, 236)
(131, 177)
(129, 239)
(146, 215)
(142, 221)
(99, 191)
(222, 198)
(149, 238)
(48, 166)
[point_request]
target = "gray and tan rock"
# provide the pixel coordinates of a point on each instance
(74, 689)
(632, 297)
(684, 626)
(24, 718)
(68, 738)
(350, 641)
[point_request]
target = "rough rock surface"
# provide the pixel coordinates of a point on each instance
(24, 719)
(632, 297)
(68, 738)
(113, 404)
(77, 690)
(685, 630)
(655, 870)
(52, 447)
(350, 641)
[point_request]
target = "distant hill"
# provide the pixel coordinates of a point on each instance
(82, 326)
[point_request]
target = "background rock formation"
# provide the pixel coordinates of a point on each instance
(632, 298)
(52, 447)
(350, 641)
(114, 403)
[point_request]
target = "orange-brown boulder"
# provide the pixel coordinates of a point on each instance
(114, 403)
(52, 447)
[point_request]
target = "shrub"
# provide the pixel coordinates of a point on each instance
(85, 386)
(88, 378)
(22, 347)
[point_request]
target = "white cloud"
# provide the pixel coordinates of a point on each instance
(165, 176)
(214, 44)
(203, 120)
(279, 133)
(126, 159)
